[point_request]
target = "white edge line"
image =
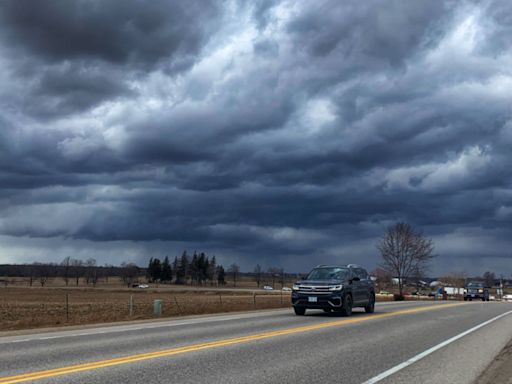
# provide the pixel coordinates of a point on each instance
(429, 351)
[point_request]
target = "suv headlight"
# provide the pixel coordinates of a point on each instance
(336, 287)
(295, 287)
(480, 291)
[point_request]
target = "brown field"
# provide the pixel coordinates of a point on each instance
(23, 307)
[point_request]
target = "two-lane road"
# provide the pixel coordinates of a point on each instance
(401, 343)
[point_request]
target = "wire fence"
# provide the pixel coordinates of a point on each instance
(32, 308)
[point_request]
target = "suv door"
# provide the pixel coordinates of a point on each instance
(360, 287)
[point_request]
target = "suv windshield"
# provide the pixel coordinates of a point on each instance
(329, 273)
(475, 285)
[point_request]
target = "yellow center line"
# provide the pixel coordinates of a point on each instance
(213, 344)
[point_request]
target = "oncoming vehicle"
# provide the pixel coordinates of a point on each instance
(476, 290)
(334, 288)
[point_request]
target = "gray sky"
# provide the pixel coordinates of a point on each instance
(281, 133)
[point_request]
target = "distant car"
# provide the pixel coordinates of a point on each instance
(143, 286)
(287, 289)
(268, 288)
(507, 297)
(476, 290)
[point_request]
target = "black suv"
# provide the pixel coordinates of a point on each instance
(476, 290)
(334, 288)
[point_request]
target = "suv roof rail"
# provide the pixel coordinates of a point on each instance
(353, 266)
(321, 265)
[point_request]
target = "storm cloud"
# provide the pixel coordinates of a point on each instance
(281, 133)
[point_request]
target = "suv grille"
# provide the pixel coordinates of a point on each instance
(317, 290)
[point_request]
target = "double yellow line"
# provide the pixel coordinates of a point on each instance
(214, 344)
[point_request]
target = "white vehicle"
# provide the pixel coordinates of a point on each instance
(507, 297)
(286, 289)
(143, 286)
(268, 288)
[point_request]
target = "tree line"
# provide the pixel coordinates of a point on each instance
(198, 269)
(72, 271)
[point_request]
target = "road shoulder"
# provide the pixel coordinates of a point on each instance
(500, 370)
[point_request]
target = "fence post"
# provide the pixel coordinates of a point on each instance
(157, 307)
(254, 299)
(220, 298)
(131, 305)
(177, 305)
(67, 307)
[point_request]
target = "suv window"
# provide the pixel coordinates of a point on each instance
(328, 274)
(361, 273)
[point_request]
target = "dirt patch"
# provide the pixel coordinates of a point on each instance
(500, 370)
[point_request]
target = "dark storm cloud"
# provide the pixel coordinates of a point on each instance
(290, 133)
(120, 32)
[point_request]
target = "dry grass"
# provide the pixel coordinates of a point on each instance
(22, 308)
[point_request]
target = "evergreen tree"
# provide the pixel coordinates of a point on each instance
(212, 270)
(156, 270)
(182, 272)
(166, 275)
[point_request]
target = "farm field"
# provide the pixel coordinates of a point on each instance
(23, 307)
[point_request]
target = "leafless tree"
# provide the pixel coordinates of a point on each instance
(66, 272)
(90, 269)
(274, 272)
(489, 278)
(234, 269)
(383, 277)
(42, 272)
(77, 269)
(257, 274)
(405, 252)
(454, 279)
(129, 273)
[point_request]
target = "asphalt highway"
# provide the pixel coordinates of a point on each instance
(422, 342)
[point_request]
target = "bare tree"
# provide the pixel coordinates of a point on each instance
(257, 274)
(234, 269)
(489, 278)
(129, 273)
(77, 268)
(383, 277)
(405, 252)
(90, 269)
(274, 272)
(42, 272)
(454, 279)
(66, 272)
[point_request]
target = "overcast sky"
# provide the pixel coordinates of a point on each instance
(281, 133)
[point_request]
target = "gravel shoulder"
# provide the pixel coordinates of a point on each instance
(500, 370)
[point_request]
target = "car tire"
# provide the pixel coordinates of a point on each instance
(327, 310)
(370, 308)
(346, 309)
(465, 298)
(299, 311)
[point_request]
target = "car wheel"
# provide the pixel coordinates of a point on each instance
(370, 308)
(299, 311)
(327, 310)
(465, 298)
(346, 310)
